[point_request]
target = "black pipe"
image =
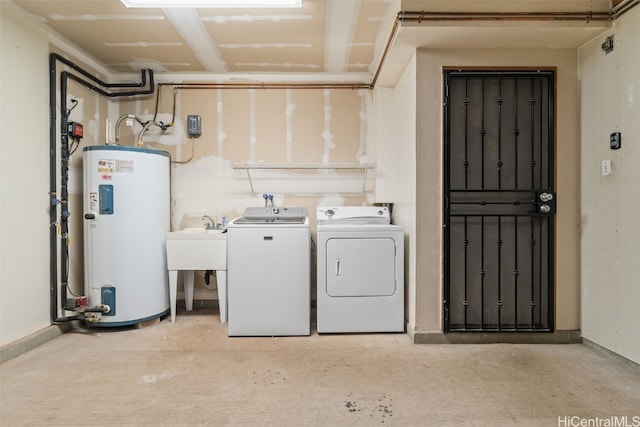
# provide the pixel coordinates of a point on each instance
(53, 272)
(142, 83)
(64, 167)
(64, 192)
(93, 88)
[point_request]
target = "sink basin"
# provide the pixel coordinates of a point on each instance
(200, 230)
(196, 249)
(196, 233)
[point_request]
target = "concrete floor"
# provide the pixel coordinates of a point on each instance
(191, 373)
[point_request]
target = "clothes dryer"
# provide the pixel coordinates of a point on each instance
(360, 270)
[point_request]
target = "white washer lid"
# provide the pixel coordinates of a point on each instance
(353, 215)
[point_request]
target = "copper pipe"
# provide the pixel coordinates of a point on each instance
(419, 16)
(264, 86)
(385, 52)
(422, 16)
(504, 16)
(186, 86)
(623, 7)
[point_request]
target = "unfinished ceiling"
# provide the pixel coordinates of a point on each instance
(329, 40)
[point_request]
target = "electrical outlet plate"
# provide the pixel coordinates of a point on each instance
(606, 167)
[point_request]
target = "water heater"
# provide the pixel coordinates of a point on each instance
(126, 217)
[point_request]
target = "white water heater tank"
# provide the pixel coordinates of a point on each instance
(126, 217)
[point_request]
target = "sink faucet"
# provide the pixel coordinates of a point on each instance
(211, 225)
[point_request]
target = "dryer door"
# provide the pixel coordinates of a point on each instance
(361, 267)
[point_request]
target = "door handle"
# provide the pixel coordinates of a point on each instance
(338, 267)
(545, 203)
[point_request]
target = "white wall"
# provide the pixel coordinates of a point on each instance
(24, 178)
(401, 108)
(610, 205)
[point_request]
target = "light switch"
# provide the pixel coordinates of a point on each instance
(606, 167)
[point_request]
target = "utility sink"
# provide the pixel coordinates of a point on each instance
(197, 230)
(196, 249)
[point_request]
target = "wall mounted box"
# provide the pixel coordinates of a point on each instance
(615, 140)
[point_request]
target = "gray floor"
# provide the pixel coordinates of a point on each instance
(191, 373)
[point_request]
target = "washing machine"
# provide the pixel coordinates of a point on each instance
(268, 272)
(360, 270)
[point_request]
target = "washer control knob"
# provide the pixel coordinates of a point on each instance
(276, 211)
(329, 213)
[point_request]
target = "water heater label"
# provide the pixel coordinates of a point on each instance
(124, 166)
(93, 201)
(105, 165)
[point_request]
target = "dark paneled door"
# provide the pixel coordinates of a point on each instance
(499, 200)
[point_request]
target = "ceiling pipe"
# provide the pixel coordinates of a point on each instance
(426, 16)
(181, 86)
(258, 86)
(385, 52)
(419, 17)
(623, 7)
(423, 16)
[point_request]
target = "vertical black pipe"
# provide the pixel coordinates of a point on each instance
(64, 191)
(53, 210)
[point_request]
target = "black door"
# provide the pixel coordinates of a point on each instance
(499, 200)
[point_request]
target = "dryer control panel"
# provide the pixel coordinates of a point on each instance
(353, 215)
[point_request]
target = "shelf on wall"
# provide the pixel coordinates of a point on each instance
(362, 168)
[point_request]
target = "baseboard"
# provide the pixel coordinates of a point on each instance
(604, 350)
(18, 347)
(557, 337)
